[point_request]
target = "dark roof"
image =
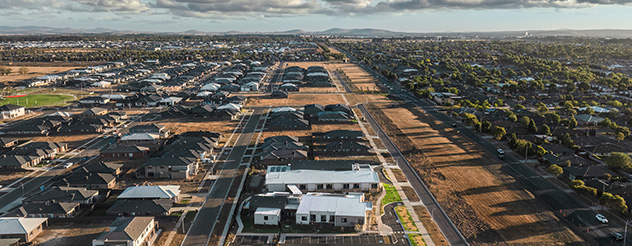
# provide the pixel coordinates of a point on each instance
(279, 94)
(61, 194)
(5, 141)
(90, 179)
(147, 127)
(43, 208)
(335, 134)
(126, 149)
(99, 167)
(141, 206)
(280, 139)
(335, 165)
(284, 154)
(268, 201)
(351, 145)
(10, 107)
(127, 228)
(170, 161)
(588, 172)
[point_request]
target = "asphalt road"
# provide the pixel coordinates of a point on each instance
(206, 218)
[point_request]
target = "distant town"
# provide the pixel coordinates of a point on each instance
(311, 139)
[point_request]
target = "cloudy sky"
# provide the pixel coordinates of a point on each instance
(314, 15)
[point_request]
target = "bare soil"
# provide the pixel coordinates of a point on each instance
(482, 199)
(431, 226)
(75, 233)
(296, 100)
(33, 72)
(410, 193)
(399, 175)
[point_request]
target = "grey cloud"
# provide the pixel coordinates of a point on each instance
(112, 5)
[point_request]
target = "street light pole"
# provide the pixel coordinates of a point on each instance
(625, 234)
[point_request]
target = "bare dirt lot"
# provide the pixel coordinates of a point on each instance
(305, 64)
(74, 233)
(180, 125)
(295, 100)
(318, 89)
(359, 78)
(431, 226)
(9, 176)
(486, 203)
(73, 141)
(32, 72)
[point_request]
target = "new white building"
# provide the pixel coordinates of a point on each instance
(362, 178)
(339, 210)
(267, 216)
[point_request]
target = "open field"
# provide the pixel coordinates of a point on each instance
(431, 226)
(399, 176)
(180, 125)
(38, 100)
(295, 100)
(486, 203)
(405, 218)
(9, 176)
(32, 72)
(305, 64)
(75, 233)
(391, 195)
(332, 127)
(410, 193)
(360, 79)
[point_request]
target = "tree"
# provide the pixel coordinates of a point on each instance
(620, 137)
(23, 71)
(486, 126)
(555, 170)
(540, 150)
(525, 120)
(513, 139)
(619, 161)
(553, 117)
(518, 107)
(532, 127)
(572, 123)
(575, 184)
(545, 129)
(499, 132)
(567, 140)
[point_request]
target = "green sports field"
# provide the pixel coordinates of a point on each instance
(38, 100)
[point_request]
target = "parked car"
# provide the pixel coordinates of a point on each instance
(454, 124)
(68, 164)
(616, 236)
(601, 218)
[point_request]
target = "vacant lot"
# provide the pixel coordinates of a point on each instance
(410, 193)
(486, 203)
(305, 64)
(295, 100)
(399, 176)
(405, 218)
(39, 100)
(9, 176)
(318, 89)
(359, 79)
(180, 125)
(431, 226)
(32, 72)
(75, 233)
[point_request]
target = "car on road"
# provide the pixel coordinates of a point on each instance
(454, 124)
(501, 154)
(616, 236)
(68, 164)
(601, 218)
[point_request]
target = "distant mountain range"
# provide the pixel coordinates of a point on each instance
(356, 32)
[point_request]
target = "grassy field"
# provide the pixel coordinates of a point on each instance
(484, 201)
(38, 100)
(391, 195)
(405, 218)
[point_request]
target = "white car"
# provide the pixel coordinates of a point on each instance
(601, 218)
(500, 151)
(67, 165)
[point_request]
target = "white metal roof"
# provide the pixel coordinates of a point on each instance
(268, 211)
(156, 191)
(349, 205)
(322, 177)
(13, 225)
(140, 136)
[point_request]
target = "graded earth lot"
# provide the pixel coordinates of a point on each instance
(294, 100)
(33, 71)
(487, 205)
(360, 79)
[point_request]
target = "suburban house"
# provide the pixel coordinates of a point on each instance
(92, 181)
(96, 111)
(272, 208)
(129, 231)
(30, 154)
(129, 152)
(155, 129)
(140, 207)
(169, 167)
(334, 116)
(282, 178)
(94, 101)
(140, 138)
(151, 192)
(311, 110)
(8, 142)
(337, 209)
(10, 111)
(587, 173)
(47, 209)
(79, 195)
(339, 135)
(26, 229)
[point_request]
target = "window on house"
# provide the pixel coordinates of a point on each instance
(345, 186)
(302, 187)
(304, 218)
(312, 217)
(343, 220)
(323, 218)
(265, 217)
(330, 186)
(356, 186)
(374, 186)
(320, 186)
